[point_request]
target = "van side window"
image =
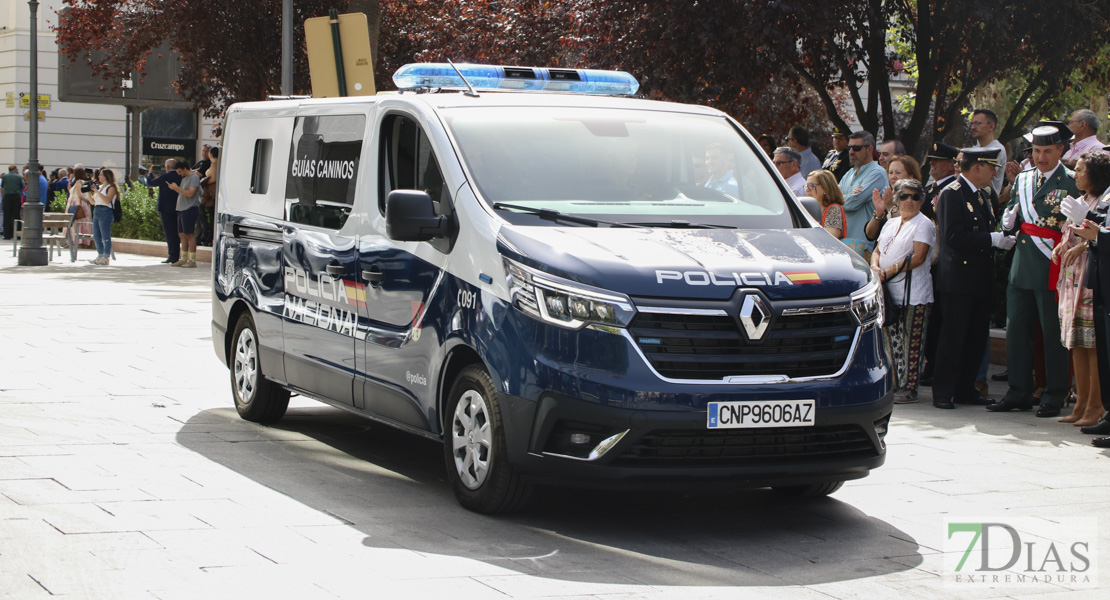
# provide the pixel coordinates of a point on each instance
(260, 171)
(410, 163)
(323, 169)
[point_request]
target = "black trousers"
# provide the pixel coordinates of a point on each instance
(11, 213)
(169, 228)
(1102, 348)
(961, 342)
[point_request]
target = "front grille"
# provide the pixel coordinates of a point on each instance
(747, 447)
(713, 347)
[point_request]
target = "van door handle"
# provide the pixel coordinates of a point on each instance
(336, 270)
(373, 277)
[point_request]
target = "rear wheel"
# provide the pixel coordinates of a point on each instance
(256, 398)
(474, 447)
(816, 490)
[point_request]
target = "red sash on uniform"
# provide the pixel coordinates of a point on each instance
(1053, 266)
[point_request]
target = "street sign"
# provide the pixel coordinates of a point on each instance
(27, 116)
(25, 101)
(353, 35)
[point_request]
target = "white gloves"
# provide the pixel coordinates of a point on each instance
(1009, 218)
(1075, 209)
(1001, 241)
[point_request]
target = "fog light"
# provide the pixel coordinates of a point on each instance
(579, 438)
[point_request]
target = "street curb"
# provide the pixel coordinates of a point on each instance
(157, 249)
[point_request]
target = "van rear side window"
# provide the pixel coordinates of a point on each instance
(260, 171)
(323, 169)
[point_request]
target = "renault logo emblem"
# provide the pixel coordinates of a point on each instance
(754, 316)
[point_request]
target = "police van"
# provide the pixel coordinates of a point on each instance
(562, 283)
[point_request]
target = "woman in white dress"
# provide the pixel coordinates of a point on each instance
(901, 261)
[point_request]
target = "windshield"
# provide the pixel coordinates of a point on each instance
(627, 166)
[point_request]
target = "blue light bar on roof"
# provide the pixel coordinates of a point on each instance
(493, 77)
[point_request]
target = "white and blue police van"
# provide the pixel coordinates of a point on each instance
(557, 280)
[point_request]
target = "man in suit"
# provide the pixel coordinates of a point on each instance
(966, 239)
(1034, 215)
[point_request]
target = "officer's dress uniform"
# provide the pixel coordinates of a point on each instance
(837, 163)
(939, 151)
(1031, 294)
(964, 269)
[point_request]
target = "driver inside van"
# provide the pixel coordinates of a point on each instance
(719, 163)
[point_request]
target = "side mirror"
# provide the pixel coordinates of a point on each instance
(410, 216)
(812, 206)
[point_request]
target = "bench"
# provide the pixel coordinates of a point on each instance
(54, 228)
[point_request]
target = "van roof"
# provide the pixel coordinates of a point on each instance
(452, 99)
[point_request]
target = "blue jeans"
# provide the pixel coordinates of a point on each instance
(102, 230)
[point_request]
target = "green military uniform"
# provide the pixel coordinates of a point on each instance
(1031, 294)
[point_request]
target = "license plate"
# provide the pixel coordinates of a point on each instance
(762, 413)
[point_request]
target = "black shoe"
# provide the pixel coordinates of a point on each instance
(943, 403)
(1100, 428)
(979, 401)
(168, 261)
(1007, 405)
(1003, 376)
(1101, 442)
(1048, 411)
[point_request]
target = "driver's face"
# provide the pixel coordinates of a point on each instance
(715, 162)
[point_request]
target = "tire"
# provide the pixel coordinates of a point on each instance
(817, 490)
(474, 447)
(256, 398)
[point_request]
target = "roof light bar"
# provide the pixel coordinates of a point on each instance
(496, 77)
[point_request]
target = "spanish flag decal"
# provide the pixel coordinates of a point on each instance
(356, 293)
(799, 277)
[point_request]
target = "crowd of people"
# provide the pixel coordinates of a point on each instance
(934, 239)
(186, 203)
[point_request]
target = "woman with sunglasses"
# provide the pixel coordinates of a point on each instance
(821, 185)
(901, 261)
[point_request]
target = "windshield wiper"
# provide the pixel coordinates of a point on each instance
(554, 215)
(682, 224)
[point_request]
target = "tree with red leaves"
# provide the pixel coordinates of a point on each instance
(229, 51)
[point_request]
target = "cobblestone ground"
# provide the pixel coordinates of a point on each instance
(125, 473)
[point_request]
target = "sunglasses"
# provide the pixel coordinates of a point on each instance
(909, 196)
(782, 162)
(811, 186)
(857, 148)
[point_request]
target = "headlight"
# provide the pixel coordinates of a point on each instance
(565, 304)
(867, 304)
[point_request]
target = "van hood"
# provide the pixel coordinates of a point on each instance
(706, 264)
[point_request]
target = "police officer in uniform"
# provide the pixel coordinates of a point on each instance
(836, 161)
(942, 168)
(966, 239)
(1034, 215)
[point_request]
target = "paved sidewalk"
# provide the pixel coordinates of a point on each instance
(125, 473)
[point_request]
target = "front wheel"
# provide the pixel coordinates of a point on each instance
(256, 398)
(816, 490)
(474, 447)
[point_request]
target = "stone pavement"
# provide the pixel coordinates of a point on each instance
(125, 473)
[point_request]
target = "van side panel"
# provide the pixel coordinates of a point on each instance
(248, 266)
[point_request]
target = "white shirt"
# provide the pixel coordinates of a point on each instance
(1078, 148)
(894, 245)
(999, 172)
(797, 183)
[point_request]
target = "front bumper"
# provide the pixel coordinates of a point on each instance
(666, 449)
